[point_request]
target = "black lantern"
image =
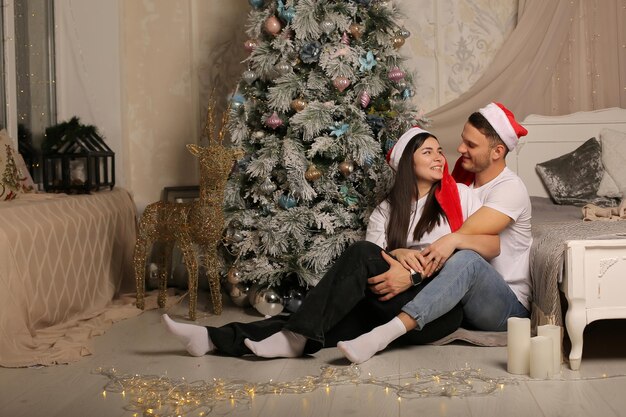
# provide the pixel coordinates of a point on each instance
(76, 159)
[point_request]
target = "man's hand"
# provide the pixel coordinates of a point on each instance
(391, 283)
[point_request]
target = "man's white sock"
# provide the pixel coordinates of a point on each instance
(195, 338)
(283, 344)
(365, 346)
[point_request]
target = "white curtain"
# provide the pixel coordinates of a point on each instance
(563, 56)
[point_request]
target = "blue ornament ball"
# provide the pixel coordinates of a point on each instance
(256, 3)
(287, 201)
(293, 299)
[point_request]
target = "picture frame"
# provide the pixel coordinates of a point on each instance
(181, 194)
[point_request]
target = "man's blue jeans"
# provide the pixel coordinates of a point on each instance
(466, 277)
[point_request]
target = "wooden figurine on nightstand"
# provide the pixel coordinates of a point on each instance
(196, 226)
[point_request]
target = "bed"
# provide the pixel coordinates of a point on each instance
(586, 260)
(63, 258)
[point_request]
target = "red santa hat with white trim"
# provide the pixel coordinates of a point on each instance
(447, 193)
(503, 122)
(395, 153)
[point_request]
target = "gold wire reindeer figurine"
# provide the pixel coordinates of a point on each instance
(197, 223)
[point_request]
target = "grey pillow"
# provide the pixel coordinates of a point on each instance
(574, 178)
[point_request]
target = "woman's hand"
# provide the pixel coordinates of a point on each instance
(397, 279)
(409, 259)
(433, 257)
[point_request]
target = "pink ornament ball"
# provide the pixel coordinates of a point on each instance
(341, 83)
(273, 25)
(396, 74)
(273, 121)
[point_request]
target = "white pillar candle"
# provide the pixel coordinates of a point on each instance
(541, 357)
(553, 332)
(518, 345)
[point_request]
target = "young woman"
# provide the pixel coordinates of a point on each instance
(353, 297)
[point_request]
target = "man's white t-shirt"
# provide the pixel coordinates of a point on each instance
(377, 226)
(507, 194)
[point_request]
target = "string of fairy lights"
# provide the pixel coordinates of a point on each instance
(152, 395)
(161, 396)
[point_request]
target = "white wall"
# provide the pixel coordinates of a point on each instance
(88, 70)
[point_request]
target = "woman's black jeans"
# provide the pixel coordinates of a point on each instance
(339, 307)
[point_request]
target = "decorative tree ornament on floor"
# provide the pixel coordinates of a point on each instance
(187, 224)
(239, 294)
(160, 396)
(267, 301)
(234, 275)
(293, 299)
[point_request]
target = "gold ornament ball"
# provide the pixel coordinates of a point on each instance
(298, 104)
(312, 173)
(346, 168)
(397, 41)
(234, 276)
(273, 25)
(356, 30)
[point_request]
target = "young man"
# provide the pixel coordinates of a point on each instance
(489, 293)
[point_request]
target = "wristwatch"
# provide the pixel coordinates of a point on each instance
(416, 277)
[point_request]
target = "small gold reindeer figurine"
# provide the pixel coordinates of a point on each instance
(198, 223)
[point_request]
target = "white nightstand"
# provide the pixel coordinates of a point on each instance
(595, 287)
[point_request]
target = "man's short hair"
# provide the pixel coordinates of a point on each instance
(479, 121)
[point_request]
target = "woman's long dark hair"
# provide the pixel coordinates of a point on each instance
(400, 200)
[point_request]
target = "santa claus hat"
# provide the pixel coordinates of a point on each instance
(395, 153)
(447, 194)
(504, 123)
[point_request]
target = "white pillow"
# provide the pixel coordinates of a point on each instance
(608, 188)
(614, 156)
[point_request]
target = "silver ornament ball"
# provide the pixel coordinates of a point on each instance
(268, 302)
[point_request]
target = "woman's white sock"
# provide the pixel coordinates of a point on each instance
(283, 344)
(365, 346)
(195, 338)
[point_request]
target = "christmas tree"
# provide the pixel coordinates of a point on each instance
(323, 99)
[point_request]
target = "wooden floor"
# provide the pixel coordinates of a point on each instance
(141, 346)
